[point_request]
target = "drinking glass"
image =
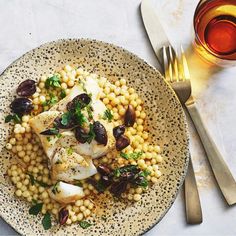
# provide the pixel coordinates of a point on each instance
(215, 31)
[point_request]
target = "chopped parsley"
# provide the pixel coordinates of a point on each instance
(35, 209)
(128, 168)
(145, 173)
(134, 155)
(90, 135)
(107, 115)
(58, 135)
(78, 183)
(89, 109)
(51, 131)
(79, 116)
(53, 82)
(84, 224)
(14, 117)
(66, 117)
(33, 181)
(55, 188)
(46, 221)
(52, 101)
(70, 151)
(48, 139)
(63, 93)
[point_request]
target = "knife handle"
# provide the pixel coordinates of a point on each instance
(220, 169)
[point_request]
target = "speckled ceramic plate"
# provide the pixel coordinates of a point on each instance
(165, 120)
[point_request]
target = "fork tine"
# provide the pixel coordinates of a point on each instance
(184, 64)
(167, 69)
(173, 65)
(176, 66)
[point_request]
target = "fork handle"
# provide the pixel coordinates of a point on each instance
(192, 200)
(220, 169)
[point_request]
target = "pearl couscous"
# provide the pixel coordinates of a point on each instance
(125, 171)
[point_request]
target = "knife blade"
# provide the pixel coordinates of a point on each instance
(154, 29)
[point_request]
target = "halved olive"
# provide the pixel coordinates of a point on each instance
(100, 133)
(58, 124)
(118, 188)
(122, 142)
(51, 131)
(83, 99)
(21, 106)
(81, 134)
(103, 170)
(63, 216)
(26, 88)
(130, 116)
(118, 131)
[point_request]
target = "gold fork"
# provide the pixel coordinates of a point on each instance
(192, 200)
(177, 73)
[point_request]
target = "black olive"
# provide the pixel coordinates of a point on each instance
(130, 116)
(122, 142)
(52, 131)
(118, 188)
(26, 88)
(22, 106)
(103, 170)
(106, 180)
(139, 180)
(118, 131)
(100, 133)
(128, 176)
(58, 124)
(63, 216)
(81, 135)
(83, 99)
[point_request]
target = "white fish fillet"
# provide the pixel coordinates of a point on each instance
(71, 166)
(55, 148)
(65, 193)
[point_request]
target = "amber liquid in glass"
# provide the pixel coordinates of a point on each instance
(215, 29)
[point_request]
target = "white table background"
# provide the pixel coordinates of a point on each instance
(26, 24)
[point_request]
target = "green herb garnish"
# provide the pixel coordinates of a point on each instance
(90, 135)
(34, 202)
(35, 209)
(53, 82)
(51, 131)
(63, 93)
(78, 183)
(14, 118)
(100, 186)
(65, 118)
(107, 115)
(46, 221)
(59, 135)
(128, 168)
(52, 101)
(134, 155)
(84, 224)
(70, 151)
(89, 111)
(33, 181)
(79, 116)
(55, 188)
(48, 139)
(145, 173)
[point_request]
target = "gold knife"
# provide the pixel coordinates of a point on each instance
(158, 39)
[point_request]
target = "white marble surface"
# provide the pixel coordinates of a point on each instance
(26, 24)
